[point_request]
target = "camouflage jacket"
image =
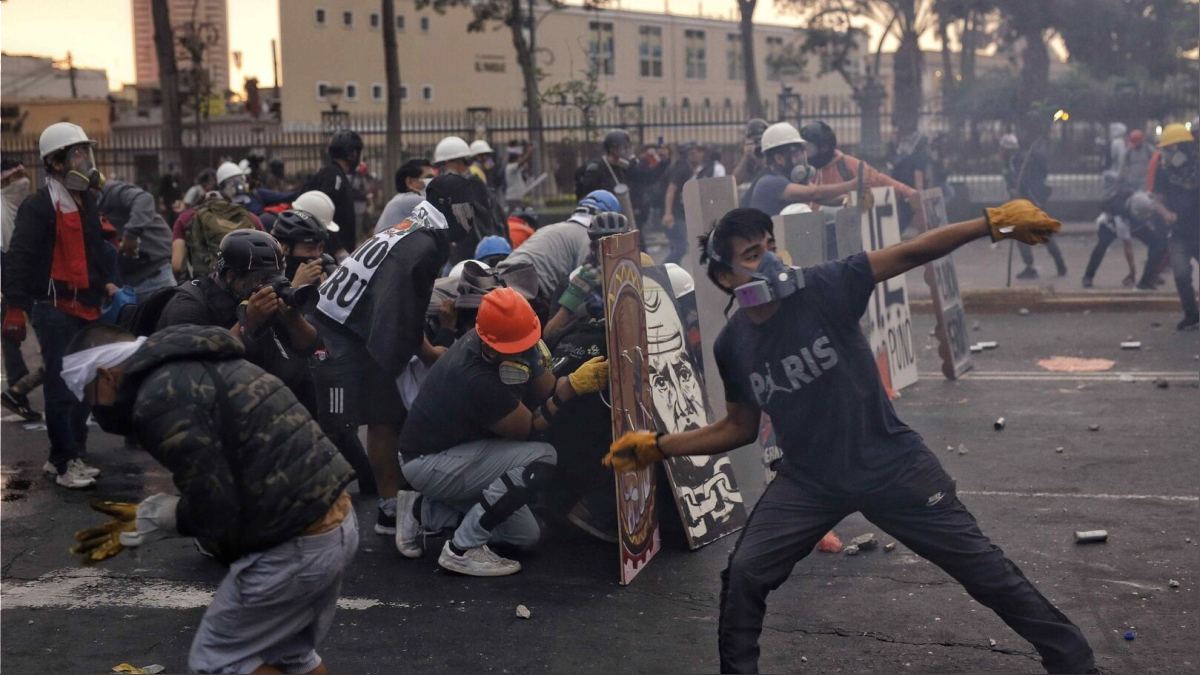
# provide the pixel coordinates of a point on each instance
(245, 484)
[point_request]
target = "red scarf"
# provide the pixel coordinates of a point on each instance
(69, 262)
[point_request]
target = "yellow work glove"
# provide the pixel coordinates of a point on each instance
(634, 450)
(590, 377)
(104, 541)
(1019, 219)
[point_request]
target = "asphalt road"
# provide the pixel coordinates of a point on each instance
(879, 612)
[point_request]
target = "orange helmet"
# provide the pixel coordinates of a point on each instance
(518, 231)
(506, 322)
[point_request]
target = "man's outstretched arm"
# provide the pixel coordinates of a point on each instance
(636, 449)
(1018, 219)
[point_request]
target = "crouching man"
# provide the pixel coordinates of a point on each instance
(470, 444)
(259, 486)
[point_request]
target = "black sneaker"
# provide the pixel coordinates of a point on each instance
(1060, 267)
(1087, 282)
(19, 403)
(385, 524)
(1028, 273)
(1188, 323)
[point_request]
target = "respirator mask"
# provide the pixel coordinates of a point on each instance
(516, 369)
(236, 190)
(82, 173)
(773, 280)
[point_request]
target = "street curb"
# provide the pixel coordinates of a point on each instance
(1005, 300)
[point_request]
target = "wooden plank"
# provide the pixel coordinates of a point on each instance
(629, 389)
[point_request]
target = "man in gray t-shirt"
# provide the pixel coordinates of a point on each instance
(411, 179)
(556, 250)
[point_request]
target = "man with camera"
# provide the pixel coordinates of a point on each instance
(248, 294)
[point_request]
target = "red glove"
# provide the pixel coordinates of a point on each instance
(14, 324)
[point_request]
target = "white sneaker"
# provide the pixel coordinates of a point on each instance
(83, 468)
(74, 479)
(477, 562)
(410, 540)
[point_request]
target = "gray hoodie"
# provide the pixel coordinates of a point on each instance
(132, 210)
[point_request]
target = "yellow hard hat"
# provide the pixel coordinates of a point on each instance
(1175, 133)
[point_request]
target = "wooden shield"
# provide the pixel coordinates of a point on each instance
(629, 389)
(704, 487)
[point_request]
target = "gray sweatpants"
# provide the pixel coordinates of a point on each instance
(275, 606)
(486, 485)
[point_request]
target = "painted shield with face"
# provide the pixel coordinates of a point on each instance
(704, 487)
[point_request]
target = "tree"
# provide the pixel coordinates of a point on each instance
(903, 20)
(391, 63)
(168, 81)
(754, 101)
(584, 95)
(1027, 22)
(1142, 39)
(522, 25)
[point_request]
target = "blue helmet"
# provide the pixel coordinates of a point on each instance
(492, 245)
(600, 201)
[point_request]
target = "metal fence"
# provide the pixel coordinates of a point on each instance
(570, 137)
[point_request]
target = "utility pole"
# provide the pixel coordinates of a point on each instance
(71, 73)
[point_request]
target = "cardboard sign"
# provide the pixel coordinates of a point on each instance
(888, 322)
(951, 330)
(629, 389)
(704, 486)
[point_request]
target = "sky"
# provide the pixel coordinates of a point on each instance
(99, 33)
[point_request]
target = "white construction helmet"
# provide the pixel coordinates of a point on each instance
(228, 170)
(451, 147)
(1009, 142)
(481, 147)
(61, 135)
(798, 207)
(456, 271)
(778, 135)
(681, 282)
(318, 205)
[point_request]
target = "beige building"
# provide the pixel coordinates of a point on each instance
(36, 92)
(211, 21)
(662, 59)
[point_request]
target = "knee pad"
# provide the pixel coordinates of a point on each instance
(514, 497)
(538, 475)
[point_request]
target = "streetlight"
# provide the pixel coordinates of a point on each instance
(334, 119)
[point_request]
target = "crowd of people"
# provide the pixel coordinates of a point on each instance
(244, 345)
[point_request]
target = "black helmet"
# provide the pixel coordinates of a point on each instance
(616, 138)
(249, 250)
(451, 194)
(756, 127)
(298, 227)
(345, 144)
(819, 134)
(606, 223)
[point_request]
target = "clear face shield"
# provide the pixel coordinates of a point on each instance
(80, 167)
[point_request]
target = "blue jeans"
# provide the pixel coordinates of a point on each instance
(66, 416)
(164, 278)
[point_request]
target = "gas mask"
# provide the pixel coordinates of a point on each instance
(82, 173)
(1175, 157)
(516, 369)
(802, 173)
(236, 190)
(114, 419)
(772, 280)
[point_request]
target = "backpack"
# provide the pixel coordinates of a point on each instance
(213, 220)
(142, 317)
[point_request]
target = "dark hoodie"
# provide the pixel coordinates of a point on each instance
(249, 479)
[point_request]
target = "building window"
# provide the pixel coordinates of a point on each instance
(427, 93)
(347, 19)
(662, 101)
(424, 24)
(733, 56)
(600, 48)
(319, 16)
(374, 20)
(774, 57)
(728, 102)
(351, 91)
(404, 92)
(321, 88)
(695, 64)
(707, 102)
(686, 103)
(400, 23)
(650, 51)
(376, 92)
